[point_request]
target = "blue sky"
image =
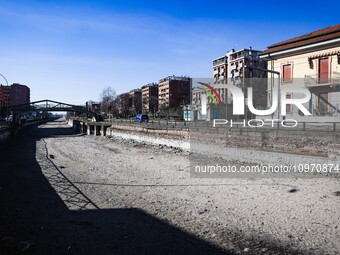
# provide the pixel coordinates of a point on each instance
(70, 50)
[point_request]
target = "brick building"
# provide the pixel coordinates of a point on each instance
(14, 94)
(4, 96)
(150, 98)
(174, 91)
(135, 102)
(122, 102)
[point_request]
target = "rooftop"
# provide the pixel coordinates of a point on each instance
(220, 58)
(150, 85)
(240, 53)
(324, 34)
(175, 78)
(134, 91)
(250, 49)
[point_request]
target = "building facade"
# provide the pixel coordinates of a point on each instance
(174, 91)
(234, 68)
(4, 96)
(150, 98)
(135, 102)
(310, 61)
(19, 94)
(14, 94)
(220, 70)
(122, 103)
(246, 67)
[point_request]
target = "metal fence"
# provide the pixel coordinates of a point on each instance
(300, 126)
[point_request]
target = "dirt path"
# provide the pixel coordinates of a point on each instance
(94, 194)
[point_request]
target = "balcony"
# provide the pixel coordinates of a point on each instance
(233, 67)
(220, 62)
(237, 55)
(314, 80)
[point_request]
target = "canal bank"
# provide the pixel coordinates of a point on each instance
(312, 143)
(6, 132)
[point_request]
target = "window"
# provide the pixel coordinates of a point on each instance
(323, 70)
(287, 73)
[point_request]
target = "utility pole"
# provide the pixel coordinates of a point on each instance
(279, 86)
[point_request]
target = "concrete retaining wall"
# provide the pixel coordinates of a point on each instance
(297, 142)
(5, 133)
(164, 132)
(311, 143)
(159, 137)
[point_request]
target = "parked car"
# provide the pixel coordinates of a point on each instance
(142, 118)
(9, 118)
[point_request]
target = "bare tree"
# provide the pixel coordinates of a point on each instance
(165, 112)
(153, 105)
(168, 112)
(137, 104)
(107, 97)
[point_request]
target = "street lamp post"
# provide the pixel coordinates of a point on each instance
(4, 78)
(7, 100)
(187, 112)
(279, 86)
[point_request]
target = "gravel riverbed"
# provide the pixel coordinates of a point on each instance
(213, 215)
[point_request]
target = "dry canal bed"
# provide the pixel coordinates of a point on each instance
(68, 194)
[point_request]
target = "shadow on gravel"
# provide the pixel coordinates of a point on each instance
(33, 214)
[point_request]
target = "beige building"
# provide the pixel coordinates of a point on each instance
(311, 61)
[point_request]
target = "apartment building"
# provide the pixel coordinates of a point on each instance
(150, 98)
(311, 61)
(220, 70)
(246, 69)
(4, 96)
(14, 94)
(174, 91)
(233, 68)
(122, 102)
(135, 102)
